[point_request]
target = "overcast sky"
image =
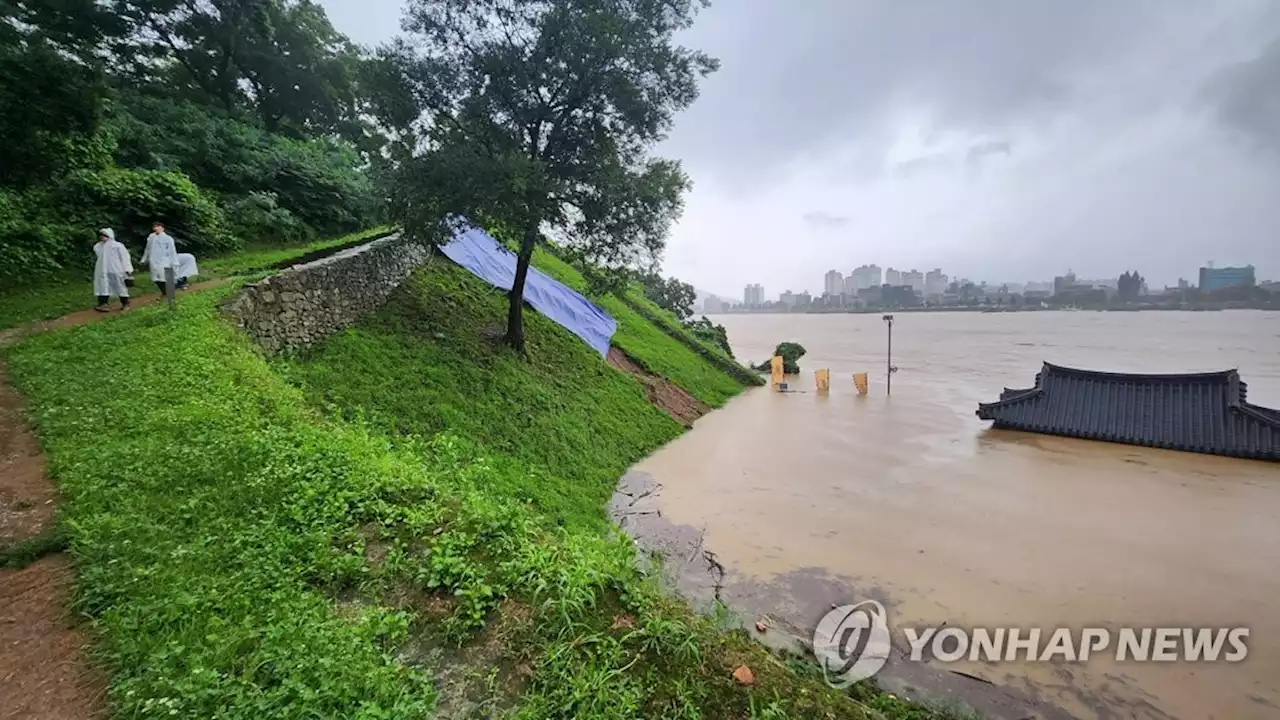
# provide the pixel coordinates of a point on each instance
(1003, 140)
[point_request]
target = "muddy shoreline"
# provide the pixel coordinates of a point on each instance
(793, 603)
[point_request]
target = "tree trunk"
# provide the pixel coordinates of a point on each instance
(515, 312)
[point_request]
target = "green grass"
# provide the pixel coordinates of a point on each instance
(42, 298)
(427, 362)
(24, 552)
(654, 349)
(242, 555)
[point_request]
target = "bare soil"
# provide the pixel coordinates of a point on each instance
(44, 671)
(672, 398)
(26, 496)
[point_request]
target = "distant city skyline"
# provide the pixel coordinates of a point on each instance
(935, 282)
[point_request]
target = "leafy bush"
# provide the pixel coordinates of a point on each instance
(130, 200)
(259, 218)
(709, 332)
(791, 354)
(319, 181)
(28, 246)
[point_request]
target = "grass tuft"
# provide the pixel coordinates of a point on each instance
(19, 554)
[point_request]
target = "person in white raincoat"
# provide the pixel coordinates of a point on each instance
(112, 270)
(186, 269)
(161, 253)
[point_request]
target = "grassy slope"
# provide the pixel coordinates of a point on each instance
(420, 365)
(55, 297)
(657, 351)
(215, 519)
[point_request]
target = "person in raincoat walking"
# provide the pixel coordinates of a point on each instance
(161, 254)
(112, 272)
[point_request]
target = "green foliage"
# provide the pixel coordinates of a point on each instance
(41, 296)
(24, 552)
(200, 523)
(655, 349)
(131, 200)
(308, 186)
(791, 354)
(669, 294)
(52, 83)
(423, 364)
(231, 120)
(242, 558)
(544, 114)
(260, 215)
(710, 333)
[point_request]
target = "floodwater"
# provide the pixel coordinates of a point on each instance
(911, 499)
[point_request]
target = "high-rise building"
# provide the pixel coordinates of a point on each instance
(851, 285)
(892, 277)
(915, 279)
(753, 295)
(935, 282)
(833, 283)
(866, 276)
(1212, 278)
(787, 299)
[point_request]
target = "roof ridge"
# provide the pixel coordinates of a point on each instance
(1225, 375)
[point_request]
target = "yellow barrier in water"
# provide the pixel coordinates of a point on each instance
(860, 382)
(824, 380)
(775, 367)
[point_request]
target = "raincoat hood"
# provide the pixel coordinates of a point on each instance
(111, 234)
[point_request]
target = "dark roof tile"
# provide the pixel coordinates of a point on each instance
(1198, 412)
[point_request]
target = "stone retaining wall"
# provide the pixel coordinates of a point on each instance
(307, 303)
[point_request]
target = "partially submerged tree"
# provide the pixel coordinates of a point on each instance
(790, 353)
(539, 115)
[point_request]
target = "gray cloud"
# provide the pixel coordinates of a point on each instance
(795, 77)
(818, 218)
(984, 149)
(1248, 96)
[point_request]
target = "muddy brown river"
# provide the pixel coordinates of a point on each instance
(805, 500)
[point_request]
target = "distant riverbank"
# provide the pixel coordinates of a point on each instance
(998, 309)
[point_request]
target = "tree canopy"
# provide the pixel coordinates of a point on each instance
(538, 116)
(1130, 285)
(233, 120)
(670, 294)
(256, 121)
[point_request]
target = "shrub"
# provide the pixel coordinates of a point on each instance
(260, 219)
(130, 200)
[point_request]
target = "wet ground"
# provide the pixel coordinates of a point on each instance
(787, 503)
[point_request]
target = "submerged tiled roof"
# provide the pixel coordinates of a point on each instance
(1200, 412)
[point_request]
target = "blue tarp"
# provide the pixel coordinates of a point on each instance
(474, 250)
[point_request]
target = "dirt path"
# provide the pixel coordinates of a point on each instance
(89, 315)
(44, 669)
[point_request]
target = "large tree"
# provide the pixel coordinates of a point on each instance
(539, 115)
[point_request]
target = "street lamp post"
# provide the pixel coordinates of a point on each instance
(888, 361)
